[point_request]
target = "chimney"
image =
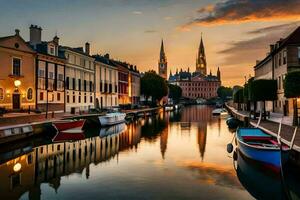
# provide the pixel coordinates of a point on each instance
(87, 48)
(56, 40)
(17, 31)
(35, 35)
(106, 56)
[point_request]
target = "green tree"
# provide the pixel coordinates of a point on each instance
(224, 92)
(263, 90)
(175, 92)
(291, 90)
(238, 97)
(152, 85)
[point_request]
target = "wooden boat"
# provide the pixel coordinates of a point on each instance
(69, 135)
(112, 118)
(257, 145)
(63, 125)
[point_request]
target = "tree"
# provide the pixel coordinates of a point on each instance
(224, 92)
(152, 85)
(238, 97)
(263, 90)
(291, 90)
(175, 92)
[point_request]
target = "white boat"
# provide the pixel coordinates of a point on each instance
(220, 112)
(112, 118)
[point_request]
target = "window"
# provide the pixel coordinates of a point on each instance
(41, 73)
(284, 57)
(58, 96)
(73, 84)
(68, 99)
(41, 96)
(68, 83)
(29, 159)
(51, 50)
(79, 99)
(16, 67)
(1, 93)
(91, 99)
(79, 84)
(29, 94)
(74, 99)
(60, 77)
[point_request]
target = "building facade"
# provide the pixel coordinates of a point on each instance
(50, 72)
(80, 76)
(124, 83)
(283, 57)
(106, 73)
(17, 77)
(135, 82)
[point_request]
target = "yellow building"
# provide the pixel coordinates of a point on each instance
(17, 77)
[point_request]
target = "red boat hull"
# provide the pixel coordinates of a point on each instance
(65, 125)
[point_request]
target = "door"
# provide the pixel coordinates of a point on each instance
(16, 101)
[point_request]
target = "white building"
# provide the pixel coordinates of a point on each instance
(106, 82)
(79, 81)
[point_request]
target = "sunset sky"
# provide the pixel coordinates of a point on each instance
(236, 33)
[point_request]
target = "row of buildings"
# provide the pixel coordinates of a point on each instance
(45, 75)
(195, 85)
(282, 58)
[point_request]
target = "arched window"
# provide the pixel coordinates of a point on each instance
(1, 93)
(29, 94)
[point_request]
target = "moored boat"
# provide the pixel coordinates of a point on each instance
(63, 125)
(220, 112)
(112, 118)
(257, 145)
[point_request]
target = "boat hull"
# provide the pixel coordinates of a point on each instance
(112, 119)
(265, 155)
(65, 125)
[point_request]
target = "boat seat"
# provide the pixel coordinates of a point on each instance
(256, 138)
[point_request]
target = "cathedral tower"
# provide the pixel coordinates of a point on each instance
(162, 63)
(201, 59)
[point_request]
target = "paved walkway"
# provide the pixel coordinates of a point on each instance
(271, 126)
(11, 119)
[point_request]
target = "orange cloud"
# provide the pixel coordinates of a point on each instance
(241, 11)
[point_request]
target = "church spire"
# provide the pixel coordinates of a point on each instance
(162, 63)
(201, 59)
(162, 51)
(219, 74)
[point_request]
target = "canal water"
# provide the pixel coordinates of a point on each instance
(175, 155)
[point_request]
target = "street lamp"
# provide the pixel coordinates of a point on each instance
(17, 83)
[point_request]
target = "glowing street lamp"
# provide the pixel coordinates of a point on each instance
(17, 83)
(17, 167)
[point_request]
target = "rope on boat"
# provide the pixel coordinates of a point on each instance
(278, 133)
(293, 138)
(260, 116)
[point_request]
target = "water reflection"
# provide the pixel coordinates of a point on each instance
(181, 153)
(47, 163)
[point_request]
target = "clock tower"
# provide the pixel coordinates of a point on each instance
(201, 59)
(162, 63)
